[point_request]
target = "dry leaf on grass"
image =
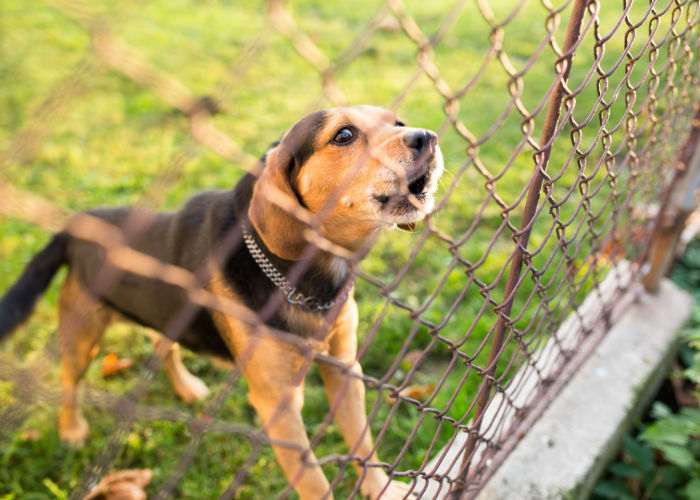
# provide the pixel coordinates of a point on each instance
(111, 364)
(30, 435)
(122, 485)
(415, 391)
(412, 357)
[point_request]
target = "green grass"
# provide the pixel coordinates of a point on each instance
(106, 145)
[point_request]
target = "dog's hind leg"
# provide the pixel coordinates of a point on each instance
(189, 387)
(82, 320)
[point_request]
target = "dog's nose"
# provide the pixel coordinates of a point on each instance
(420, 142)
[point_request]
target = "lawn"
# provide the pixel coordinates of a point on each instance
(106, 141)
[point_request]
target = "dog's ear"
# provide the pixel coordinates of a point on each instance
(274, 201)
(280, 230)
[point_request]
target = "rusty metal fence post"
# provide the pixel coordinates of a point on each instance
(678, 205)
(519, 255)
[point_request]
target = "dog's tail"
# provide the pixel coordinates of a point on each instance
(18, 303)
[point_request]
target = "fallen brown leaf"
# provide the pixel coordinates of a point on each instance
(30, 435)
(111, 364)
(415, 391)
(412, 357)
(122, 485)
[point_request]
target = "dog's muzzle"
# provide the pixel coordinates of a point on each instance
(422, 143)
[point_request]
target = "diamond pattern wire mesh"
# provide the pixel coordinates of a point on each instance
(560, 125)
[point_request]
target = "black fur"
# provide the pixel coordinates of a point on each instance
(243, 274)
(200, 335)
(303, 136)
(302, 139)
(18, 303)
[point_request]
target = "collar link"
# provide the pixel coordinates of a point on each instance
(294, 296)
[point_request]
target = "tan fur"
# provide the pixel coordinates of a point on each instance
(187, 386)
(80, 326)
(335, 182)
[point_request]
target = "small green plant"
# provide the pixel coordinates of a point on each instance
(662, 460)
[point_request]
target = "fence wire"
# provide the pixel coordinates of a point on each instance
(561, 127)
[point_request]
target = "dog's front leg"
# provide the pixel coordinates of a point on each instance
(346, 393)
(281, 419)
(275, 374)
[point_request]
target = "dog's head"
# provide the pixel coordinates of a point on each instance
(358, 168)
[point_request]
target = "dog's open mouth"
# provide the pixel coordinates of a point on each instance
(417, 186)
(408, 205)
(410, 201)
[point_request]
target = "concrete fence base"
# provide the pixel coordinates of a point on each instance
(567, 449)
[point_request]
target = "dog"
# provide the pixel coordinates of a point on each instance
(335, 178)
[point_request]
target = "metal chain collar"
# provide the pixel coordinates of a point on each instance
(293, 295)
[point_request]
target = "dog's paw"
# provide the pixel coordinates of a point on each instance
(397, 491)
(73, 429)
(376, 488)
(191, 388)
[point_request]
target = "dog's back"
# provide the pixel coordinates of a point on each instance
(183, 238)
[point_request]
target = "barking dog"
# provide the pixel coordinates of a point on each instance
(335, 178)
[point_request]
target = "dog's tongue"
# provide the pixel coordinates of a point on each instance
(408, 226)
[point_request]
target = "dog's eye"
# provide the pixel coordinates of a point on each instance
(399, 123)
(344, 136)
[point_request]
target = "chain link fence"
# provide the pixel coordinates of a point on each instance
(566, 129)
